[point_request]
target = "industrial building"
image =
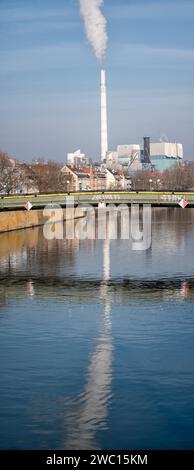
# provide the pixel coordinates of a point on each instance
(165, 155)
(77, 159)
(126, 158)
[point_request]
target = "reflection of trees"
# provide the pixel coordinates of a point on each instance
(28, 255)
(171, 226)
(27, 252)
(82, 290)
(3, 297)
(174, 215)
(47, 258)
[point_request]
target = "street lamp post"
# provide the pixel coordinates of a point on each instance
(150, 181)
(158, 183)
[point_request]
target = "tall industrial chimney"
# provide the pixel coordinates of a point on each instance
(104, 127)
(147, 150)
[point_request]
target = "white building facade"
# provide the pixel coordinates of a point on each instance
(165, 155)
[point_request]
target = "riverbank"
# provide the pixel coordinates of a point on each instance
(22, 219)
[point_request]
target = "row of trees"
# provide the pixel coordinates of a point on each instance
(39, 176)
(179, 178)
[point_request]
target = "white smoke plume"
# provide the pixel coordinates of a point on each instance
(95, 26)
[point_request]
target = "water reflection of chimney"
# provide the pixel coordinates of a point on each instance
(92, 406)
(30, 288)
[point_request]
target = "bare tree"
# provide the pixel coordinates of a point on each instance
(49, 178)
(140, 181)
(9, 177)
(4, 163)
(179, 178)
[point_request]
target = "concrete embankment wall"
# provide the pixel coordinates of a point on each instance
(16, 220)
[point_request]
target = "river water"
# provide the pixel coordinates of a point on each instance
(97, 340)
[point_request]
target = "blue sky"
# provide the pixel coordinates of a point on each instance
(49, 77)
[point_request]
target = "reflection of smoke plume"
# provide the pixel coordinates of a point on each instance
(95, 25)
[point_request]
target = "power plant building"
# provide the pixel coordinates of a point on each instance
(129, 158)
(126, 157)
(165, 155)
(77, 159)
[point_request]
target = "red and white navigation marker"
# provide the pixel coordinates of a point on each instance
(183, 203)
(28, 206)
